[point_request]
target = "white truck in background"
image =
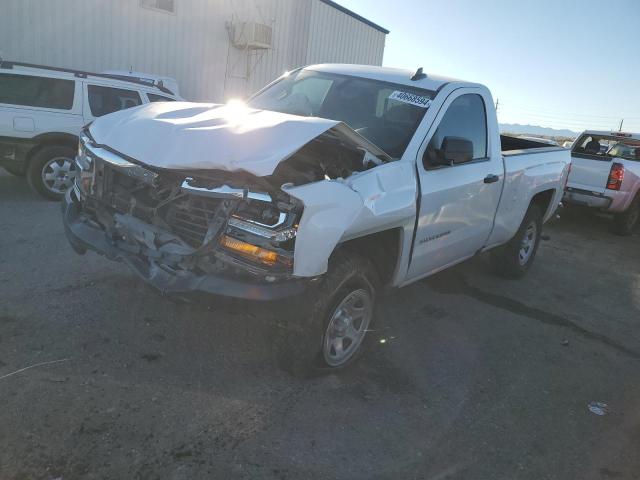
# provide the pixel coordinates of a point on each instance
(330, 184)
(43, 109)
(605, 175)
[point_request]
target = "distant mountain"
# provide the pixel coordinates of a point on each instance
(535, 130)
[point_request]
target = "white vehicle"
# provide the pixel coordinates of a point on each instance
(43, 109)
(332, 183)
(605, 175)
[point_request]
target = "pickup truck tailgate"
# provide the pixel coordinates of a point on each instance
(589, 174)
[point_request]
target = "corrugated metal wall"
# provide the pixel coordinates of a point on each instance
(335, 37)
(191, 45)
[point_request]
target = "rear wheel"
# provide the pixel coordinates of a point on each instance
(332, 335)
(516, 257)
(625, 223)
(51, 171)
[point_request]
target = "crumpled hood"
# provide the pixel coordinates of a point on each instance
(180, 135)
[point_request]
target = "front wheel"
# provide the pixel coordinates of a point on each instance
(625, 223)
(51, 171)
(332, 335)
(515, 258)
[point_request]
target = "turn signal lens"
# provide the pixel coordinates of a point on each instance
(616, 176)
(250, 251)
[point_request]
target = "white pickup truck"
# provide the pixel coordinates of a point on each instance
(329, 184)
(605, 175)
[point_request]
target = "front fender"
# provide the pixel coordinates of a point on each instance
(339, 210)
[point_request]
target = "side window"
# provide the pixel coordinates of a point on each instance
(104, 100)
(159, 98)
(32, 91)
(461, 136)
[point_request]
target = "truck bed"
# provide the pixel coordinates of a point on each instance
(515, 145)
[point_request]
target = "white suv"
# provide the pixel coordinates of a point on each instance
(43, 109)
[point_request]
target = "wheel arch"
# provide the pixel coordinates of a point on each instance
(51, 139)
(544, 201)
(383, 249)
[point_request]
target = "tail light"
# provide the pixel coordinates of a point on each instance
(616, 175)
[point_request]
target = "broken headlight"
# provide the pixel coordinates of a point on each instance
(259, 229)
(84, 166)
(260, 232)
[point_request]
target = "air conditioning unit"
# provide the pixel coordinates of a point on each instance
(251, 35)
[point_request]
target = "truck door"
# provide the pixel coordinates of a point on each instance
(461, 175)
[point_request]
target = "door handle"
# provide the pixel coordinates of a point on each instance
(491, 178)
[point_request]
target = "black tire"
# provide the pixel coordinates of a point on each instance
(40, 161)
(507, 259)
(625, 223)
(16, 170)
(301, 337)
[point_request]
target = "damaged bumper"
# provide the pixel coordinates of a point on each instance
(85, 234)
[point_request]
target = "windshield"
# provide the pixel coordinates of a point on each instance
(387, 114)
(607, 147)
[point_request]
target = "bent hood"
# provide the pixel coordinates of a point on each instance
(186, 136)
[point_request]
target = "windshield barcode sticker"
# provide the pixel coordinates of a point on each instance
(416, 100)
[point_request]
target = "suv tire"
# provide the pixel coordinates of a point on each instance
(51, 171)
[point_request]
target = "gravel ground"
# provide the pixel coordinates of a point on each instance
(478, 377)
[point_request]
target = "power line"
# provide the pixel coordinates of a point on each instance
(567, 122)
(565, 116)
(557, 112)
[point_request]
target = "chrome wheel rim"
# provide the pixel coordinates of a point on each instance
(58, 174)
(347, 327)
(528, 243)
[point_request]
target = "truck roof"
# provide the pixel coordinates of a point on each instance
(609, 133)
(400, 76)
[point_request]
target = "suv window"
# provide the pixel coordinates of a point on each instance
(104, 100)
(159, 98)
(465, 118)
(32, 91)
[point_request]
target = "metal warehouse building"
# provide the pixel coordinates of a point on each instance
(216, 49)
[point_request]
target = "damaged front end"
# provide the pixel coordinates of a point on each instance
(185, 231)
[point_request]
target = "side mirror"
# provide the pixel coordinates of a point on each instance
(457, 150)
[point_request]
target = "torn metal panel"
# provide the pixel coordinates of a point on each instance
(334, 211)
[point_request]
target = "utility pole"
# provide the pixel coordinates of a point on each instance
(621, 122)
(497, 104)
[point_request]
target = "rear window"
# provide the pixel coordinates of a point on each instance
(105, 100)
(159, 98)
(30, 91)
(606, 147)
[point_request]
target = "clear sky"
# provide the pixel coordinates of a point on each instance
(557, 63)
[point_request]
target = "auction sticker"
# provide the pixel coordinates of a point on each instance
(406, 97)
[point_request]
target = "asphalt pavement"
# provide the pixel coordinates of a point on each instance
(470, 376)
